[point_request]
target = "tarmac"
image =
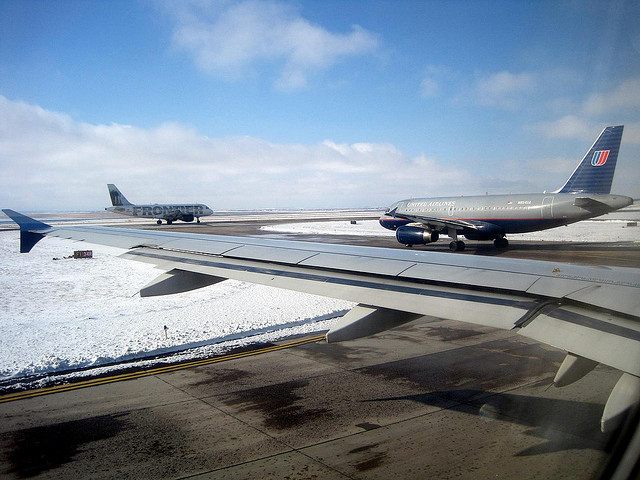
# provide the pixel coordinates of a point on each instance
(431, 399)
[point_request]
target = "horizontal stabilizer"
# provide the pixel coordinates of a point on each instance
(178, 281)
(31, 230)
(362, 321)
(590, 204)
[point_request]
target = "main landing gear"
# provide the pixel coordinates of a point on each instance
(501, 242)
(159, 222)
(197, 219)
(456, 246)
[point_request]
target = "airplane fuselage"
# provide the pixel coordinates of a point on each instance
(505, 214)
(169, 212)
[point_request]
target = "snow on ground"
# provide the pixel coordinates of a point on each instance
(585, 231)
(57, 315)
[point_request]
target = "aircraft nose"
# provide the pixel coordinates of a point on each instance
(390, 223)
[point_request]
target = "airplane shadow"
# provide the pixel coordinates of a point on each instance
(563, 424)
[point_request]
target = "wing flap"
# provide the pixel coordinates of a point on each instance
(201, 246)
(269, 254)
(480, 278)
(479, 307)
(556, 287)
(594, 335)
(381, 266)
(619, 298)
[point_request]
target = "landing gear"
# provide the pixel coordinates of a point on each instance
(456, 246)
(198, 219)
(501, 242)
(159, 222)
(169, 222)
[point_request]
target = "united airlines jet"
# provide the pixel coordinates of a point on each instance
(418, 221)
(167, 212)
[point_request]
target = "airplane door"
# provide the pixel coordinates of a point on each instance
(547, 207)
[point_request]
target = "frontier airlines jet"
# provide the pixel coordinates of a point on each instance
(186, 212)
(418, 221)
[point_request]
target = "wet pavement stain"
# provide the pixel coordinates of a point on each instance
(370, 463)
(374, 459)
(33, 451)
(277, 403)
(489, 366)
(562, 424)
(447, 334)
(335, 351)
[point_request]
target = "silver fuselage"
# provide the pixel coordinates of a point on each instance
(517, 213)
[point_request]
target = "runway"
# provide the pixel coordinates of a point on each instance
(623, 254)
(434, 399)
(431, 399)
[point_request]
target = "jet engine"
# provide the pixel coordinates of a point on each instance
(188, 217)
(415, 235)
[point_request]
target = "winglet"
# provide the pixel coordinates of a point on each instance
(31, 230)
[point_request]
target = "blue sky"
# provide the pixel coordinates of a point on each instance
(309, 104)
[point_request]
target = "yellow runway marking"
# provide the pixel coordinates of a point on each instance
(152, 371)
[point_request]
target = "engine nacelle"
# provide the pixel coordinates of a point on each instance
(415, 235)
(187, 217)
(483, 231)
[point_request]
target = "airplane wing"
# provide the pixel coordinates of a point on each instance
(436, 223)
(593, 313)
(441, 223)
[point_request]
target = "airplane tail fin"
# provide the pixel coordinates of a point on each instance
(31, 230)
(594, 173)
(117, 198)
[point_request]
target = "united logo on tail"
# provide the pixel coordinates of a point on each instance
(599, 158)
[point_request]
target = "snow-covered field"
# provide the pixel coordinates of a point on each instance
(586, 231)
(58, 315)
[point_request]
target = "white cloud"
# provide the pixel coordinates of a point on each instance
(504, 89)
(625, 96)
(631, 133)
(51, 161)
(429, 87)
(569, 126)
(574, 127)
(230, 38)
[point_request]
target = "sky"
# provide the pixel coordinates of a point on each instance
(333, 104)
